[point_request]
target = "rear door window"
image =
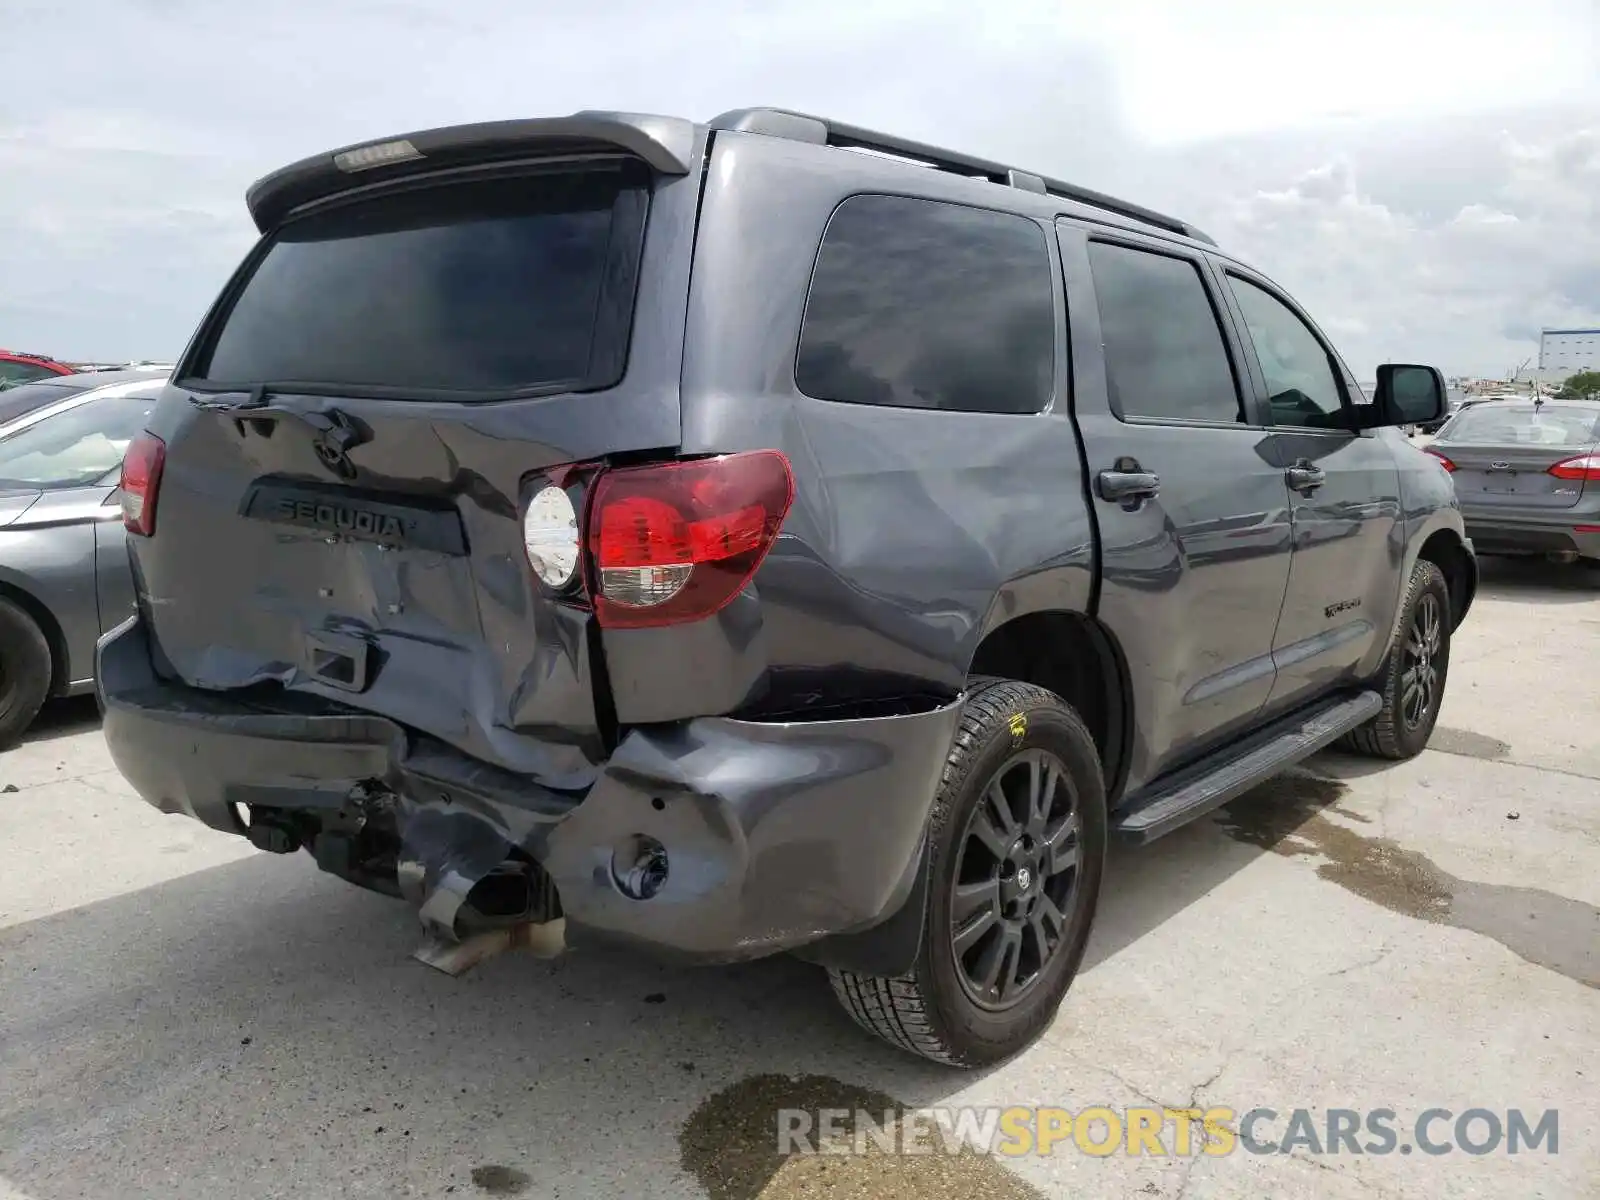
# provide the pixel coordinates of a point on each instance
(1165, 354)
(501, 286)
(921, 304)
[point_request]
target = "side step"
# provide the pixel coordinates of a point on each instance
(1194, 791)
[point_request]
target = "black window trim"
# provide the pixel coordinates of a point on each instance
(1226, 267)
(1060, 345)
(615, 306)
(1249, 399)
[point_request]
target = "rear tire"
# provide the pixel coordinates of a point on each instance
(1413, 677)
(1018, 839)
(25, 668)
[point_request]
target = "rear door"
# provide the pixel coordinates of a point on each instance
(1344, 497)
(355, 435)
(1502, 454)
(1191, 509)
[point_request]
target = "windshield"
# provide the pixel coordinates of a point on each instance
(15, 374)
(74, 448)
(1549, 425)
(495, 286)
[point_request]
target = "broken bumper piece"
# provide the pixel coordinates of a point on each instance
(709, 840)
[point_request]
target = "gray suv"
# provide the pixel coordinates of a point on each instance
(761, 536)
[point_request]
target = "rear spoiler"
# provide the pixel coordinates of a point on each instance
(665, 143)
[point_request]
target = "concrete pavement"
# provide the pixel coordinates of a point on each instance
(180, 1016)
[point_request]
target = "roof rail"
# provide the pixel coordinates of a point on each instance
(801, 127)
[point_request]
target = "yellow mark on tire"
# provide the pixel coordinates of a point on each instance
(1019, 727)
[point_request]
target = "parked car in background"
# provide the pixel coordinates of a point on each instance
(19, 401)
(17, 368)
(64, 575)
(1527, 476)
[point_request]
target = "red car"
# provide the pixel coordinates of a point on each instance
(17, 367)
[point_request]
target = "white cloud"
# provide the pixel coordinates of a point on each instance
(1358, 158)
(1468, 285)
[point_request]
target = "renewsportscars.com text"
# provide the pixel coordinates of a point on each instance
(1178, 1132)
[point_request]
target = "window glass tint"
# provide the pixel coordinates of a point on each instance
(13, 373)
(74, 448)
(491, 286)
(1165, 356)
(1549, 425)
(928, 305)
(23, 399)
(1301, 383)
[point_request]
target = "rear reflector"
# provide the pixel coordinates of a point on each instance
(141, 480)
(1584, 467)
(1586, 529)
(1443, 461)
(677, 542)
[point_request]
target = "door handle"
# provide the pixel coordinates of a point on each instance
(1305, 478)
(1128, 488)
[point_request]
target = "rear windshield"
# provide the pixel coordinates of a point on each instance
(77, 447)
(500, 286)
(21, 400)
(1549, 425)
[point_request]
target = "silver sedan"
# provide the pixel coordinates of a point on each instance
(64, 573)
(1527, 476)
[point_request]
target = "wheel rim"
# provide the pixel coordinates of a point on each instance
(1016, 883)
(1419, 678)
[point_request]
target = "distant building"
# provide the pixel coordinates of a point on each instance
(1564, 352)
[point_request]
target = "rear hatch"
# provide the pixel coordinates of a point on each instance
(352, 440)
(1513, 455)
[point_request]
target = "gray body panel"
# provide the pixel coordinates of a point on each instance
(64, 558)
(1227, 600)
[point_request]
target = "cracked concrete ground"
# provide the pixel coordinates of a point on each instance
(182, 1017)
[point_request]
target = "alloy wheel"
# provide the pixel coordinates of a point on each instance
(1016, 889)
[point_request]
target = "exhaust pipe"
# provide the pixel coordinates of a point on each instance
(476, 898)
(542, 939)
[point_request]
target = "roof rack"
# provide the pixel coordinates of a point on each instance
(801, 127)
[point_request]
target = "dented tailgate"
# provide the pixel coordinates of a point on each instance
(352, 439)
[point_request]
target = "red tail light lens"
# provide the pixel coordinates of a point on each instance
(1585, 468)
(141, 480)
(677, 542)
(1443, 461)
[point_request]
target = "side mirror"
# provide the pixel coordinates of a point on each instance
(1408, 395)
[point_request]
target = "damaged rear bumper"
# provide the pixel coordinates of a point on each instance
(774, 835)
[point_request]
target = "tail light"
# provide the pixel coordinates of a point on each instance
(677, 542)
(1584, 468)
(1443, 461)
(141, 480)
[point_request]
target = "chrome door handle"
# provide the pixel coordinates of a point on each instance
(1123, 486)
(1305, 478)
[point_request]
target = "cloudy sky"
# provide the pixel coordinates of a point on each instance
(1423, 174)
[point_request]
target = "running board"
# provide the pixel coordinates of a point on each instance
(1195, 791)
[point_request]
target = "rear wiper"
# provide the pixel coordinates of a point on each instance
(256, 397)
(341, 431)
